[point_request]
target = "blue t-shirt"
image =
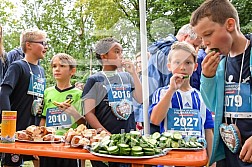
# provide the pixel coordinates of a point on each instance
(18, 78)
(96, 88)
(158, 73)
(185, 100)
(233, 67)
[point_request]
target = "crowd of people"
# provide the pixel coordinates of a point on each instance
(204, 69)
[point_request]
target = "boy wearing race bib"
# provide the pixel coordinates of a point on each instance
(108, 94)
(63, 115)
(178, 106)
(23, 87)
(226, 82)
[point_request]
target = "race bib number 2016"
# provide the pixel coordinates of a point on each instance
(118, 92)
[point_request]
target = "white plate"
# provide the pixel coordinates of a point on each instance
(164, 152)
(38, 141)
(29, 141)
(125, 157)
(187, 149)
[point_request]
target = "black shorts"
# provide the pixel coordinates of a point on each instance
(11, 159)
(58, 162)
(15, 159)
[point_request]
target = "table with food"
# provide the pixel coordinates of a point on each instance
(92, 144)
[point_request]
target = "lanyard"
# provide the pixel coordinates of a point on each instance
(110, 83)
(31, 69)
(239, 84)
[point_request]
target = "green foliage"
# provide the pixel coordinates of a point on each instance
(105, 13)
(64, 23)
(74, 26)
(244, 8)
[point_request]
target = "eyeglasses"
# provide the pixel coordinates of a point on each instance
(44, 43)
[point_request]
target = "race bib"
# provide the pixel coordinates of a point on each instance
(57, 118)
(36, 86)
(186, 121)
(118, 92)
(237, 101)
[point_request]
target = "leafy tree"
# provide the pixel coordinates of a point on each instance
(10, 24)
(74, 26)
(244, 8)
(173, 13)
(66, 27)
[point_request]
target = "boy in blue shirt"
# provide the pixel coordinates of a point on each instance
(178, 106)
(226, 83)
(23, 86)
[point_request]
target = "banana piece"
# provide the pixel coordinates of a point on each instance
(69, 101)
(56, 103)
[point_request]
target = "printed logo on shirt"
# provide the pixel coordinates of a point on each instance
(187, 105)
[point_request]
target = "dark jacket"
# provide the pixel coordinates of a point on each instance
(3, 66)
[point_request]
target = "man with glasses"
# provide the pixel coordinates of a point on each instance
(23, 87)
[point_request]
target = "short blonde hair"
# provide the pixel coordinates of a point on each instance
(65, 59)
(30, 35)
(182, 46)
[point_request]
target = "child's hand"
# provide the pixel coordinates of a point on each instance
(59, 104)
(210, 64)
(176, 81)
(246, 151)
(68, 108)
(129, 66)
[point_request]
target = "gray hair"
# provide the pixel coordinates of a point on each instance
(187, 30)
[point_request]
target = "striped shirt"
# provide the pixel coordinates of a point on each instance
(184, 100)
